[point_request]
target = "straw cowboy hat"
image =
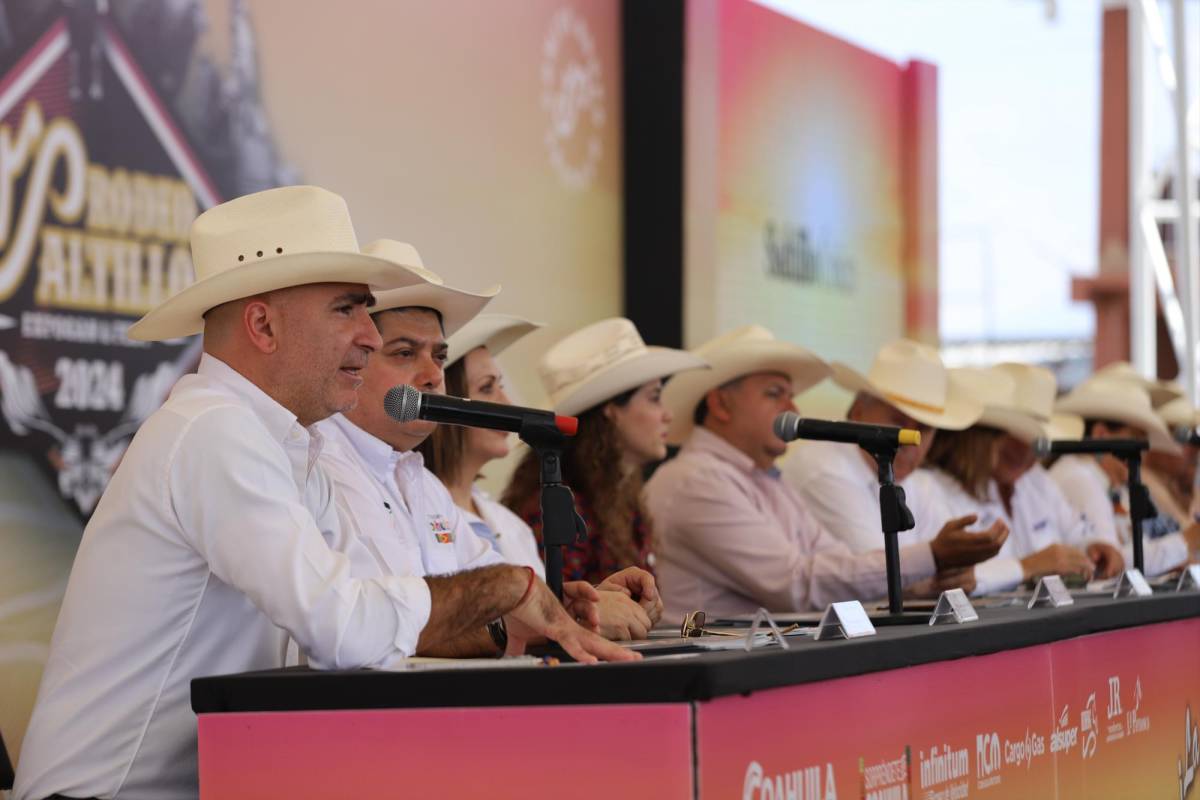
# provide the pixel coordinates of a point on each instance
(1118, 401)
(1160, 391)
(1179, 413)
(493, 331)
(911, 377)
(265, 241)
(456, 306)
(997, 391)
(599, 362)
(741, 351)
(1034, 390)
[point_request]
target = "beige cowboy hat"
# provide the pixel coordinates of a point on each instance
(997, 391)
(493, 331)
(456, 306)
(1160, 391)
(1034, 390)
(741, 351)
(599, 362)
(265, 241)
(1179, 413)
(911, 377)
(1118, 401)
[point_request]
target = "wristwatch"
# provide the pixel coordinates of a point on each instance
(499, 633)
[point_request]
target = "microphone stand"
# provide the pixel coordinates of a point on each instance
(561, 524)
(1141, 507)
(894, 515)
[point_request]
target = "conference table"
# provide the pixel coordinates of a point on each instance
(1099, 699)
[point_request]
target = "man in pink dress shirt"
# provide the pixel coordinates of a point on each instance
(731, 536)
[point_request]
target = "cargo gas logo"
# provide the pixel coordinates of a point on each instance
(573, 99)
(98, 189)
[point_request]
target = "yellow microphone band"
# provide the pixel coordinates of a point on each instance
(909, 436)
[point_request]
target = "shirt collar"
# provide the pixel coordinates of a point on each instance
(703, 440)
(281, 423)
(377, 454)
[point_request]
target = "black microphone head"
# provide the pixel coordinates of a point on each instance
(1041, 447)
(1185, 435)
(402, 403)
(785, 425)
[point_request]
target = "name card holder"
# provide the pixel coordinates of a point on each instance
(763, 618)
(1133, 584)
(1050, 592)
(845, 620)
(1189, 579)
(953, 607)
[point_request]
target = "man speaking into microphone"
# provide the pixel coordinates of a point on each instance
(406, 522)
(734, 537)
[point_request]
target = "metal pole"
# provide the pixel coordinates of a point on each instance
(1187, 264)
(1142, 341)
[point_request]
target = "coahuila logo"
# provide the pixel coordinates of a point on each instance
(1063, 738)
(800, 784)
(945, 767)
(573, 97)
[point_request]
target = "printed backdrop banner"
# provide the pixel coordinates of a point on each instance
(485, 134)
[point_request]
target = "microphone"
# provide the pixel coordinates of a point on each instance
(1118, 447)
(404, 404)
(789, 426)
(1185, 435)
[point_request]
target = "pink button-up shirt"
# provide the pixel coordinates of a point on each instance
(731, 537)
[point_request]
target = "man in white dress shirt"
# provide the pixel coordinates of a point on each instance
(909, 387)
(403, 514)
(732, 536)
(209, 548)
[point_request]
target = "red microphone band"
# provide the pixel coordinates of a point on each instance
(569, 426)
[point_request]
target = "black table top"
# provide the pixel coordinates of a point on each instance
(700, 677)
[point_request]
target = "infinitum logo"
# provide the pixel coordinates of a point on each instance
(945, 767)
(800, 784)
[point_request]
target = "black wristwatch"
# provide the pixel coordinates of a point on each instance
(499, 633)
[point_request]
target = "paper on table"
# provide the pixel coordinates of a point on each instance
(424, 663)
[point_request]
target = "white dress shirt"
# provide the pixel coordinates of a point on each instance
(1042, 516)
(1086, 486)
(842, 492)
(398, 509)
(507, 533)
(207, 550)
(949, 500)
(731, 537)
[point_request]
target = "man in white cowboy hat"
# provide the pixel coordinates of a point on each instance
(398, 509)
(909, 387)
(1171, 478)
(208, 550)
(1096, 487)
(733, 536)
(1047, 536)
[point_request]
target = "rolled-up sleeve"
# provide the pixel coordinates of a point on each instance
(232, 490)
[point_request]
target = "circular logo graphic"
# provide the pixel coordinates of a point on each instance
(573, 98)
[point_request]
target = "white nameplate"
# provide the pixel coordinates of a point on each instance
(1133, 584)
(846, 620)
(1189, 579)
(1050, 591)
(953, 607)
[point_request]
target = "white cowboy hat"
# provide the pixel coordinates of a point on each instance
(1160, 391)
(1118, 401)
(1034, 390)
(741, 351)
(599, 362)
(996, 389)
(493, 331)
(911, 377)
(456, 306)
(1179, 413)
(265, 241)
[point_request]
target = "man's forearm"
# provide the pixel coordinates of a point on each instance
(462, 604)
